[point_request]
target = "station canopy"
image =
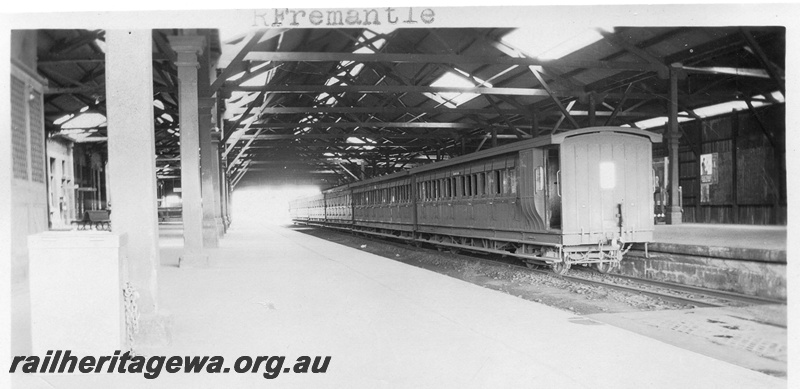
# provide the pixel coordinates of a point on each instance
(336, 105)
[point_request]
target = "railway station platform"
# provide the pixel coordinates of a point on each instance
(743, 259)
(735, 241)
(271, 290)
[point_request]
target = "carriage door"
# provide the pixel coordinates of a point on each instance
(553, 176)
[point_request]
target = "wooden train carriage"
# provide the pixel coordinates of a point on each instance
(576, 197)
(513, 199)
(338, 205)
(308, 209)
(607, 186)
(384, 205)
(475, 198)
(298, 210)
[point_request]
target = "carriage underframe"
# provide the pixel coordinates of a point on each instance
(557, 257)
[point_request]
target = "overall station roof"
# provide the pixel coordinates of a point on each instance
(335, 105)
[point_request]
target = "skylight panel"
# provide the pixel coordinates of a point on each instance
(367, 49)
(101, 44)
(259, 80)
(550, 43)
(86, 120)
(659, 121)
(718, 109)
(334, 81)
(455, 80)
(63, 119)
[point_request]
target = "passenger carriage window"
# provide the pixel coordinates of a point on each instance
(498, 182)
(447, 188)
(450, 189)
(481, 184)
(539, 178)
(475, 184)
(509, 181)
(608, 175)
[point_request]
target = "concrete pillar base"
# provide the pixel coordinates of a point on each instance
(674, 216)
(220, 226)
(210, 234)
(193, 260)
(155, 330)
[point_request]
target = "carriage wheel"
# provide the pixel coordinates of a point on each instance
(604, 267)
(560, 268)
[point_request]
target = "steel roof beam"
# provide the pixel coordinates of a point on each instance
(345, 136)
(388, 110)
(426, 125)
(441, 58)
(334, 89)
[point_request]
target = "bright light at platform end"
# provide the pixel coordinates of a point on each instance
(267, 204)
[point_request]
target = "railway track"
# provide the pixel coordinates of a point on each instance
(685, 295)
(668, 291)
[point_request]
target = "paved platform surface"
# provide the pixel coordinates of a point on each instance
(273, 291)
(723, 235)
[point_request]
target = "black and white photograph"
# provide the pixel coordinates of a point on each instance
(388, 195)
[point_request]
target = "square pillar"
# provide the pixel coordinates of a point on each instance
(187, 48)
(224, 191)
(132, 168)
(211, 230)
(216, 182)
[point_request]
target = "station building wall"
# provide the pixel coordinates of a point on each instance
(733, 167)
(29, 214)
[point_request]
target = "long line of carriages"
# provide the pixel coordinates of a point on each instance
(581, 197)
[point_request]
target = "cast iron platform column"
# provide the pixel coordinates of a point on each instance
(674, 213)
(188, 47)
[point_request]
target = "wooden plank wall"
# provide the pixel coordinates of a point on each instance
(750, 191)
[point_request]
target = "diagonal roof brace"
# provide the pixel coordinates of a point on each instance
(560, 106)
